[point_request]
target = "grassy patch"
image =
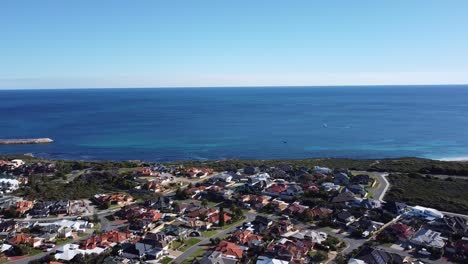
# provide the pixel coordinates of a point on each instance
(197, 255)
(189, 243)
(63, 241)
(238, 222)
(176, 244)
(212, 204)
(34, 251)
(209, 233)
(443, 194)
(165, 260)
(127, 170)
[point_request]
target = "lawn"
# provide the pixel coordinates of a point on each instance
(198, 254)
(34, 251)
(189, 243)
(212, 204)
(176, 244)
(63, 241)
(165, 260)
(443, 194)
(209, 233)
(238, 222)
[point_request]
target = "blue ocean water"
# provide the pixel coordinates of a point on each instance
(247, 123)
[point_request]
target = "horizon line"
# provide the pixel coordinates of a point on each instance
(230, 86)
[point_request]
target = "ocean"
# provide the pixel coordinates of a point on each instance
(246, 123)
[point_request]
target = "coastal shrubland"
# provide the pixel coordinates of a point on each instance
(405, 165)
(415, 189)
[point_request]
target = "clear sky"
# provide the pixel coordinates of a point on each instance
(69, 44)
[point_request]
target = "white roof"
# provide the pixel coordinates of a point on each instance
(356, 261)
(267, 260)
(11, 181)
(69, 251)
(5, 247)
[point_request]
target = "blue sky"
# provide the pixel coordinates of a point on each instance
(70, 44)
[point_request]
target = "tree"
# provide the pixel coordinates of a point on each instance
(320, 256)
(96, 218)
(237, 212)
(307, 216)
(181, 194)
(221, 216)
(340, 259)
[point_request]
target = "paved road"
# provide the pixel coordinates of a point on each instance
(194, 248)
(379, 192)
(383, 186)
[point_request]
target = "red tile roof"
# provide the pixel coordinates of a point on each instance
(228, 248)
(245, 237)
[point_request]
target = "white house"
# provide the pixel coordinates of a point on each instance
(267, 260)
(313, 236)
(223, 177)
(69, 251)
(16, 163)
(9, 184)
(425, 212)
(322, 170)
(329, 186)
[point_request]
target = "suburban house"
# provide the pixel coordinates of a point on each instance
(309, 235)
(321, 211)
(343, 198)
(370, 203)
(366, 225)
(279, 205)
(26, 240)
(341, 178)
(323, 170)
(23, 206)
(400, 230)
(230, 249)
(105, 240)
(357, 189)
(449, 225)
(119, 199)
(8, 226)
(225, 177)
(428, 238)
(363, 179)
(426, 213)
(295, 209)
(246, 238)
(344, 218)
(217, 257)
(255, 201)
(395, 207)
(68, 251)
(330, 186)
(159, 203)
(372, 255)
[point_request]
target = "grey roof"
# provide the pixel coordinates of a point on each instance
(217, 257)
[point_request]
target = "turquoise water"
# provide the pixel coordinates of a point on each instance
(256, 123)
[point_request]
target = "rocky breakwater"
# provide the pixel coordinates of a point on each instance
(25, 141)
